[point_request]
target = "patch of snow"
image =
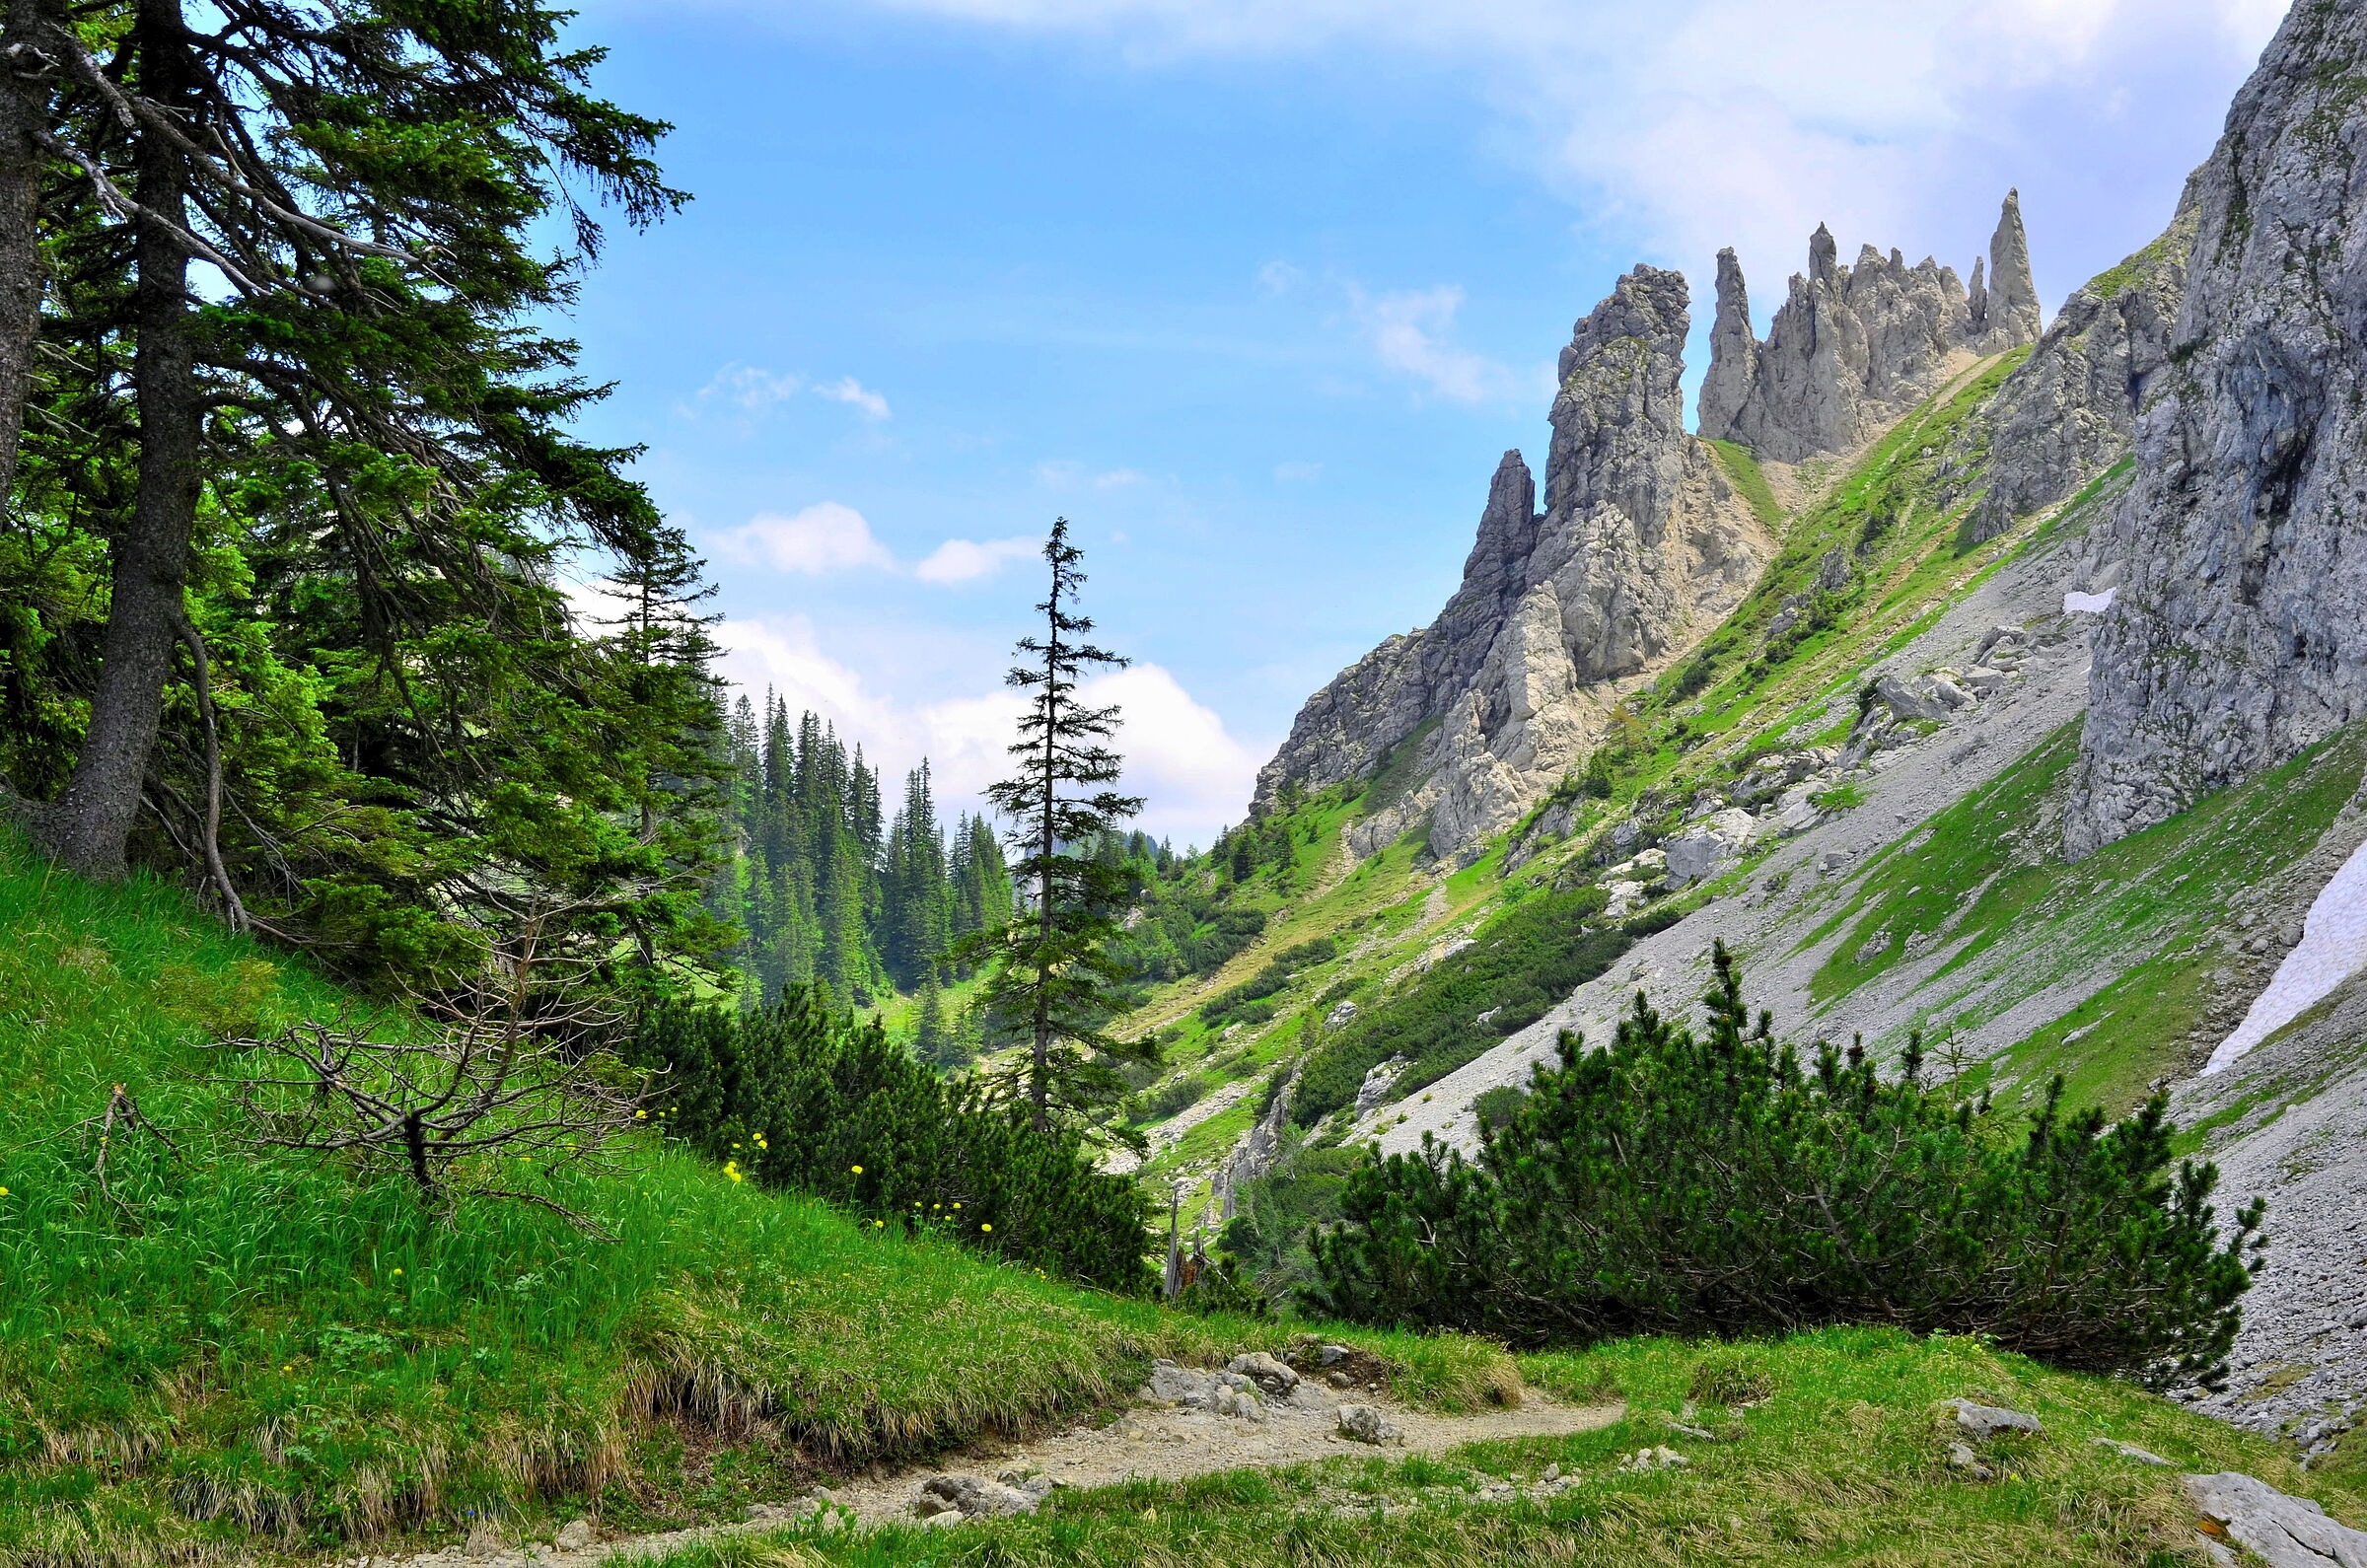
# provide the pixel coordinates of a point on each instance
(2332, 948)
(2076, 602)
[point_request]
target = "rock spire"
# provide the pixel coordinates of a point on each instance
(1854, 347)
(1733, 351)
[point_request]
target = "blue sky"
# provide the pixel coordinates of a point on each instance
(1255, 291)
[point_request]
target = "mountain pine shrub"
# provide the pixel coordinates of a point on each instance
(803, 1096)
(1711, 1182)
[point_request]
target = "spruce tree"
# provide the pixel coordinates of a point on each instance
(1050, 972)
(372, 323)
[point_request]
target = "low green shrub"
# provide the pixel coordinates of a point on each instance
(799, 1095)
(1520, 964)
(1711, 1183)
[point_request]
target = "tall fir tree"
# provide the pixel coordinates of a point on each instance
(1049, 973)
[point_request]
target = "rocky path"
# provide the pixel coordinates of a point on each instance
(1187, 1422)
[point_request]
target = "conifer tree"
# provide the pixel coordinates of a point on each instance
(1050, 972)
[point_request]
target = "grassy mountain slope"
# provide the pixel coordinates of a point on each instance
(218, 1343)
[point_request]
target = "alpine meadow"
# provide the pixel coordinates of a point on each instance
(1813, 1013)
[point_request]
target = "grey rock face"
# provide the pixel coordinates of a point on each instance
(2070, 411)
(1854, 347)
(1259, 1148)
(2282, 1532)
(1642, 546)
(2238, 637)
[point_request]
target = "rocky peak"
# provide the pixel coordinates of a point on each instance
(2005, 315)
(1855, 347)
(1643, 545)
(1733, 350)
(2235, 638)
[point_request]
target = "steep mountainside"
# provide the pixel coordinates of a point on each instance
(2033, 732)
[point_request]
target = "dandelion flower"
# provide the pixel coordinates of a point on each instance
(985, 1227)
(858, 1169)
(640, 1116)
(397, 1273)
(879, 1225)
(3, 1193)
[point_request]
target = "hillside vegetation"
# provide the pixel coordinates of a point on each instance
(216, 1345)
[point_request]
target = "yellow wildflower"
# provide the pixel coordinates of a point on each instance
(985, 1227)
(858, 1169)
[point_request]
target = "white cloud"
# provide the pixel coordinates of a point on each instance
(1064, 474)
(854, 393)
(830, 537)
(753, 392)
(1279, 277)
(1408, 330)
(825, 538)
(1698, 124)
(747, 387)
(1194, 775)
(964, 560)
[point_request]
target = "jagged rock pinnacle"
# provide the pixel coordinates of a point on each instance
(2010, 315)
(1732, 353)
(1854, 347)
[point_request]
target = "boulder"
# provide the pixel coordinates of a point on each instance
(1365, 1424)
(1908, 702)
(971, 1497)
(1987, 1420)
(1271, 1375)
(574, 1536)
(1704, 850)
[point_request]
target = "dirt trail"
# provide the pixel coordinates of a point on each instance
(1147, 1441)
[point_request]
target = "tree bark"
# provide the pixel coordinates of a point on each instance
(23, 105)
(88, 826)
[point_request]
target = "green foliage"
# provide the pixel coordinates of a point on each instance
(1520, 964)
(1495, 1107)
(410, 733)
(827, 891)
(1276, 1213)
(1710, 1184)
(1223, 1286)
(1242, 1002)
(799, 1096)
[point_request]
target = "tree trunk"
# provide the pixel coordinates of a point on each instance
(90, 826)
(23, 105)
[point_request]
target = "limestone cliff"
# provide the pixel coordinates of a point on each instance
(1854, 347)
(2236, 637)
(1642, 546)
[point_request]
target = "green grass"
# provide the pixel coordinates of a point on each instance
(1844, 1461)
(1742, 468)
(260, 1346)
(1986, 875)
